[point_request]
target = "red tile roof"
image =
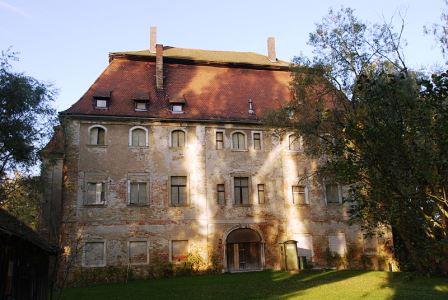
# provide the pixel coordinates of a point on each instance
(211, 92)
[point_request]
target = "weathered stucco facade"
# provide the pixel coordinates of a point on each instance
(116, 232)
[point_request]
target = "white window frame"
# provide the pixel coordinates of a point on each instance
(337, 235)
(171, 138)
(104, 253)
(106, 101)
(171, 247)
(146, 136)
(245, 141)
(307, 199)
(339, 194)
(300, 140)
(89, 131)
(177, 112)
(140, 109)
(223, 138)
(261, 140)
(129, 251)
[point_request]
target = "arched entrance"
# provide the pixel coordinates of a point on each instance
(244, 250)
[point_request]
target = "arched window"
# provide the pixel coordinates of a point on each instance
(295, 142)
(238, 141)
(177, 138)
(97, 135)
(138, 137)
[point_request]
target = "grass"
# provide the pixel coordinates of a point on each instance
(274, 285)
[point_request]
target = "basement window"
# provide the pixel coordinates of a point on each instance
(94, 254)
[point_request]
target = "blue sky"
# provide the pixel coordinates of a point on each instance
(67, 42)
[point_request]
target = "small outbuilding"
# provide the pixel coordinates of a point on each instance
(25, 259)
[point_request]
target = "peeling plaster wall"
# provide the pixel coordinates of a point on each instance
(204, 223)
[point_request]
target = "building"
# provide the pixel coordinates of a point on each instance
(26, 260)
(166, 154)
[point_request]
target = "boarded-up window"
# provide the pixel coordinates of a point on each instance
(295, 143)
(241, 190)
(138, 137)
(238, 141)
(219, 140)
(304, 245)
(332, 193)
(179, 251)
(299, 195)
(178, 190)
(337, 243)
(95, 193)
(97, 136)
(221, 194)
(138, 252)
(370, 245)
(177, 139)
(138, 193)
(94, 254)
(257, 140)
(261, 195)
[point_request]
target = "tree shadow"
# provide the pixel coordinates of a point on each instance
(414, 286)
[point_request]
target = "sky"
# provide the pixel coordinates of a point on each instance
(66, 43)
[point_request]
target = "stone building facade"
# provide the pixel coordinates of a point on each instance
(166, 155)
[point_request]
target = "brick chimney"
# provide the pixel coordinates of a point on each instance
(159, 67)
(153, 39)
(271, 49)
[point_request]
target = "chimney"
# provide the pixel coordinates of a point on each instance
(159, 67)
(153, 39)
(271, 49)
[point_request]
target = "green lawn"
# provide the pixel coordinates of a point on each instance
(274, 285)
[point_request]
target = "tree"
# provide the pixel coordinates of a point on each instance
(378, 128)
(26, 121)
(440, 31)
(26, 116)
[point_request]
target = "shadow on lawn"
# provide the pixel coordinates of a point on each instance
(413, 286)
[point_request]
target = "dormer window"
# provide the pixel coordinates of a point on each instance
(141, 100)
(101, 99)
(141, 105)
(177, 108)
(177, 104)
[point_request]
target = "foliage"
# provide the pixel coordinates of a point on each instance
(26, 116)
(109, 274)
(440, 31)
(160, 268)
(335, 260)
(21, 197)
(378, 128)
(274, 285)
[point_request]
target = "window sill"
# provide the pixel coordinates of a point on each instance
(177, 112)
(179, 205)
(94, 205)
(138, 205)
(242, 205)
(334, 204)
(138, 147)
(96, 146)
(240, 150)
(301, 204)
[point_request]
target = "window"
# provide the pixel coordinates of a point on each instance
(96, 193)
(94, 255)
(140, 105)
(304, 245)
(138, 137)
(299, 195)
(138, 252)
(178, 190)
(337, 243)
(179, 251)
(177, 108)
(241, 190)
(219, 140)
(257, 140)
(332, 193)
(138, 193)
(295, 143)
(221, 194)
(238, 141)
(101, 103)
(261, 199)
(97, 135)
(177, 139)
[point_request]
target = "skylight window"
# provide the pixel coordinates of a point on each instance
(101, 103)
(140, 105)
(177, 108)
